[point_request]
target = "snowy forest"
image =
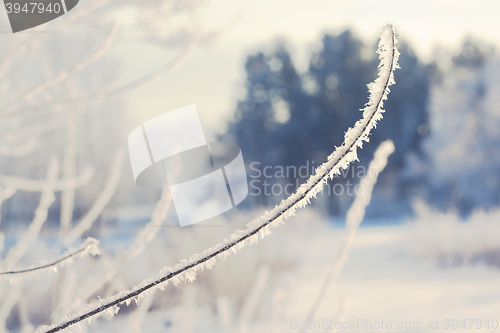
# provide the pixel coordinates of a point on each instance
(377, 158)
(283, 105)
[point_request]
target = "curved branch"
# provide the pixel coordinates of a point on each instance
(354, 218)
(90, 246)
(17, 151)
(47, 198)
(110, 187)
(340, 158)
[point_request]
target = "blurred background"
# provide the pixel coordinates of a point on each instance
(283, 80)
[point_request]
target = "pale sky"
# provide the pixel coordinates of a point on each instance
(213, 77)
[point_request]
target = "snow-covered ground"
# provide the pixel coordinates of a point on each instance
(433, 273)
(390, 282)
(382, 282)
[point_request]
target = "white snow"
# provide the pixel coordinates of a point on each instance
(382, 280)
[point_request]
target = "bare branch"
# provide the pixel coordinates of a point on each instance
(355, 216)
(101, 201)
(90, 246)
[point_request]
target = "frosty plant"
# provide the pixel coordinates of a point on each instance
(186, 270)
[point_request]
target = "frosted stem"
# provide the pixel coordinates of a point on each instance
(18, 251)
(90, 246)
(354, 217)
(20, 150)
(62, 76)
(5, 194)
(253, 297)
(33, 185)
(121, 90)
(46, 200)
(69, 172)
(340, 158)
(144, 237)
(102, 200)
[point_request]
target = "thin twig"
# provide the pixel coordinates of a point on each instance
(85, 223)
(89, 246)
(34, 185)
(355, 216)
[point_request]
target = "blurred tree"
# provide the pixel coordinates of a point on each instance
(464, 161)
(294, 119)
(65, 94)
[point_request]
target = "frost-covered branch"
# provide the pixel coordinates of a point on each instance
(9, 299)
(68, 173)
(124, 89)
(113, 92)
(46, 200)
(254, 295)
(2, 238)
(354, 218)
(89, 247)
(34, 185)
(101, 201)
(5, 194)
(63, 75)
(16, 135)
(21, 150)
(139, 316)
(144, 237)
(17, 252)
(340, 158)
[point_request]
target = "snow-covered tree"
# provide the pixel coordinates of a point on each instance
(464, 121)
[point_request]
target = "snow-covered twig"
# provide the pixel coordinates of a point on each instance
(60, 77)
(17, 252)
(10, 297)
(254, 295)
(138, 317)
(113, 92)
(78, 66)
(46, 200)
(144, 237)
(101, 202)
(141, 240)
(278, 304)
(5, 194)
(34, 185)
(2, 239)
(90, 246)
(68, 173)
(17, 151)
(340, 158)
(22, 306)
(341, 311)
(354, 217)
(17, 135)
